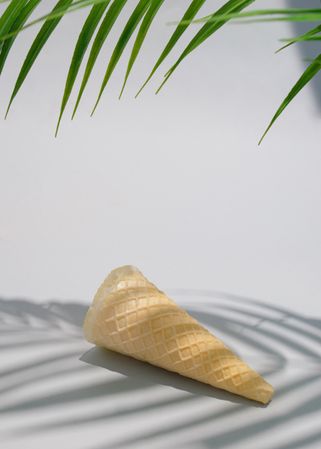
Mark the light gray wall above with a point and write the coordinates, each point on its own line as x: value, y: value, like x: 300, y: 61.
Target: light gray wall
x: 174, y: 184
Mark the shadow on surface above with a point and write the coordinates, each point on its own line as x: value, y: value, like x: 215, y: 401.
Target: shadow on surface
x: 232, y: 316
x: 302, y: 442
x: 228, y: 437
x: 36, y: 315
x: 136, y: 369
x: 224, y: 439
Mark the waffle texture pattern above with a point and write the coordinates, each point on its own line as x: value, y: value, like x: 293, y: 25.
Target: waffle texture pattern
x: 131, y: 316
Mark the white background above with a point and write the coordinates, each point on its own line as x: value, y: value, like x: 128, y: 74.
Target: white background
x: 174, y: 184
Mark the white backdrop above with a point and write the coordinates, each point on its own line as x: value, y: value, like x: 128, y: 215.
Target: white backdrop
x: 174, y: 184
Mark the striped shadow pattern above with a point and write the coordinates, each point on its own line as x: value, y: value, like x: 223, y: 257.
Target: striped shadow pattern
x: 56, y: 389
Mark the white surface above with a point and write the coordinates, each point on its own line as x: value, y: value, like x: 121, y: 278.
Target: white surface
x: 174, y: 184
x: 58, y: 391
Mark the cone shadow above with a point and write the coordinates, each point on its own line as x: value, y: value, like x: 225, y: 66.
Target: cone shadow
x: 151, y: 375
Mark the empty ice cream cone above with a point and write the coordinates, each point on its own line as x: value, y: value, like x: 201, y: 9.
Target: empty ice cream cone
x: 131, y: 316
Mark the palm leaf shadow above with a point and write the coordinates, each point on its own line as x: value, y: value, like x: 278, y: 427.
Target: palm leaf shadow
x: 310, y: 406
x: 217, y: 416
x: 230, y: 326
x: 305, y: 441
x: 229, y: 317
x: 50, y: 328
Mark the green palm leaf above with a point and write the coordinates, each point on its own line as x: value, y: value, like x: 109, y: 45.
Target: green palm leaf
x: 312, y: 38
x: 207, y: 30
x: 58, y: 12
x: 102, y: 34
x: 21, y: 16
x: 37, y: 45
x: 15, y: 16
x: 10, y: 14
x: 130, y: 27
x: 303, y: 37
x: 294, y: 14
x: 84, y: 38
x: 181, y: 27
x: 308, y: 74
x: 143, y: 30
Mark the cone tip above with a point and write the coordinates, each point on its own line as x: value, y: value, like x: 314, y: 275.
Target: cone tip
x: 268, y: 393
x: 263, y: 393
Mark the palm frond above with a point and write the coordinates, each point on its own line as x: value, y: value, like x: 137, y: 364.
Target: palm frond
x: 147, y: 21
x: 37, y: 45
x: 83, y: 41
x: 303, y: 37
x: 101, y: 36
x: 300, y: 15
x: 181, y: 27
x: 293, y: 14
x: 20, y: 19
x: 101, y: 20
x: 10, y: 15
x: 307, y: 76
x: 57, y: 12
x: 130, y: 27
x: 207, y: 30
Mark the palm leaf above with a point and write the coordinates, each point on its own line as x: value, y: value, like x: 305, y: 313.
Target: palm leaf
x: 312, y: 38
x: 303, y: 37
x: 10, y: 14
x: 37, y: 45
x: 290, y: 15
x: 146, y: 23
x: 130, y: 27
x: 84, y: 38
x: 207, y: 30
x: 181, y: 27
x: 20, y: 18
x: 58, y: 12
x: 102, y: 34
x: 15, y: 16
x: 293, y: 14
x: 9, y: 17
x: 308, y: 74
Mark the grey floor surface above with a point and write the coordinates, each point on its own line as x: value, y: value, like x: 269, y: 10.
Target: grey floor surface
x: 58, y: 390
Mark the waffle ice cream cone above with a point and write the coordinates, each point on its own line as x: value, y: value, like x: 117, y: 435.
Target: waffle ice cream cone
x: 131, y: 316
